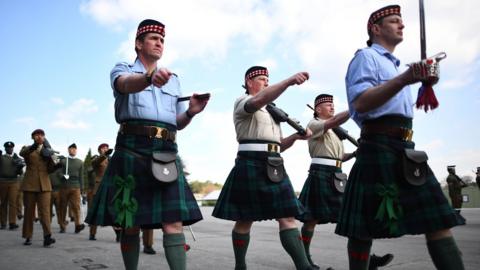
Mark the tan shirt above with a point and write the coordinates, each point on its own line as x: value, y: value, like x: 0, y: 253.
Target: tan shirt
x: 324, y: 144
x: 254, y: 126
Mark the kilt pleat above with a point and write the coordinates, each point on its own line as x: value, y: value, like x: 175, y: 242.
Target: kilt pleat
x: 155, y: 202
x: 319, y: 197
x: 249, y: 195
x: 378, y: 170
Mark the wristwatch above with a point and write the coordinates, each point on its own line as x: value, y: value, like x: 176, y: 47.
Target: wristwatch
x: 150, y: 75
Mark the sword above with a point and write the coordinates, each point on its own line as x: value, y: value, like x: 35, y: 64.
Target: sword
x: 423, y: 39
x: 191, y: 231
x: 66, y: 168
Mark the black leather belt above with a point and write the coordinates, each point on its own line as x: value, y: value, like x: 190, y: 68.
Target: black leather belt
x: 400, y: 133
x: 150, y: 131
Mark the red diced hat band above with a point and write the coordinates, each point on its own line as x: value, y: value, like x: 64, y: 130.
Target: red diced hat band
x: 381, y: 13
x: 322, y: 98
x: 150, y: 26
x: 256, y: 71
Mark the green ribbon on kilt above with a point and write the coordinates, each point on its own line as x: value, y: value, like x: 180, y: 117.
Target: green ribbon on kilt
x: 389, y: 210
x: 127, y: 206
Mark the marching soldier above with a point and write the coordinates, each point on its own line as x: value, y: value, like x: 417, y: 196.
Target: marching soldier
x: 99, y: 165
x: 11, y: 166
x: 36, y: 187
x: 477, y: 179
x: 258, y: 187
x: 388, y: 195
x: 56, y: 180
x: 323, y: 190
x: 71, y: 189
x: 144, y: 185
x: 455, y: 185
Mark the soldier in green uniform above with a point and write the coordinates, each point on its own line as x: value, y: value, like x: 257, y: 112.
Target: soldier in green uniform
x: 455, y: 185
x: 37, y: 188
x: 323, y: 190
x: 477, y: 179
x: 11, y: 166
x: 258, y: 187
x: 56, y: 180
x: 71, y: 189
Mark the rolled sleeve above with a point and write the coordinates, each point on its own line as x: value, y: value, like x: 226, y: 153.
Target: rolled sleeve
x: 317, y: 126
x: 239, y: 110
x: 361, y: 75
x: 119, y: 69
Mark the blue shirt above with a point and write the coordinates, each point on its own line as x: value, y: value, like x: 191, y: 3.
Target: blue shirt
x: 370, y: 67
x: 152, y: 103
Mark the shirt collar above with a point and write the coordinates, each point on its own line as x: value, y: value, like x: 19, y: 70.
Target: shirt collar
x: 382, y: 51
x: 138, y: 66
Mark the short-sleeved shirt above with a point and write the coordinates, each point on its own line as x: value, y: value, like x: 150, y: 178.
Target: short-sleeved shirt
x: 323, y: 144
x: 153, y: 103
x: 254, y: 126
x: 371, y: 67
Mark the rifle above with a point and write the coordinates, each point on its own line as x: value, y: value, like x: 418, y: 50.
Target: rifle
x: 341, y: 132
x: 280, y: 116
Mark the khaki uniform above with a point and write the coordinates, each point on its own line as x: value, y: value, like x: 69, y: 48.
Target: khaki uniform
x: 322, y: 144
x: 70, y: 191
x: 9, y: 186
x: 254, y: 126
x: 455, y: 190
x: 99, y: 165
x: 37, y: 190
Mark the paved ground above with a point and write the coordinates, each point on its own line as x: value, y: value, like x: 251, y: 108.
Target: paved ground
x: 213, y: 250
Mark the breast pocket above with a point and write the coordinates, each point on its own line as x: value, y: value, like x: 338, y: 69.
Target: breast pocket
x: 385, y: 75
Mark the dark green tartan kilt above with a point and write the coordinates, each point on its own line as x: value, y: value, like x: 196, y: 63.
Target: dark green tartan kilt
x: 376, y: 180
x: 319, y: 197
x: 148, y: 202
x: 249, y: 195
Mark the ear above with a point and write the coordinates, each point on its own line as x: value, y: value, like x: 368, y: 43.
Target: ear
x: 375, y: 29
x: 138, y: 44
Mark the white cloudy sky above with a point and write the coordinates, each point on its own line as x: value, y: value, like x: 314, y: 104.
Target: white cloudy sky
x: 57, y: 56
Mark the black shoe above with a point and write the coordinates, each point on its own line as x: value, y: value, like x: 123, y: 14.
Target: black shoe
x: 36, y: 219
x: 376, y: 261
x: 27, y: 242
x: 92, y: 237
x: 117, y: 236
x: 13, y: 226
x: 3, y: 227
x: 149, y: 250
x: 48, y: 240
x: 79, y: 228
x: 19, y: 216
x: 72, y: 219
x: 62, y: 230
x: 313, y: 265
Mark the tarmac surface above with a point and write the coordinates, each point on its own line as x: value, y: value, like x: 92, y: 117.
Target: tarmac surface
x: 213, y: 249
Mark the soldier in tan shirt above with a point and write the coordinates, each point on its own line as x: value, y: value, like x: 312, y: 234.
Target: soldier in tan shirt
x: 37, y: 188
x: 258, y: 187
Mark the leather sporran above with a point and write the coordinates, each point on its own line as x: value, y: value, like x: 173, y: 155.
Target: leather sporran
x: 164, y: 166
x: 339, y: 180
x: 275, y: 169
x: 415, y: 166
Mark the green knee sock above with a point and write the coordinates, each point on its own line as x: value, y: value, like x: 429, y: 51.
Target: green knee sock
x: 445, y: 254
x: 292, y: 243
x: 359, y: 253
x: 130, y: 246
x: 240, y: 245
x: 174, y: 245
x: 307, y: 239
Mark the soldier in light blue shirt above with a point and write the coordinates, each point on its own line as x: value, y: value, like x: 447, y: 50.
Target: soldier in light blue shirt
x: 384, y: 196
x: 144, y: 186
